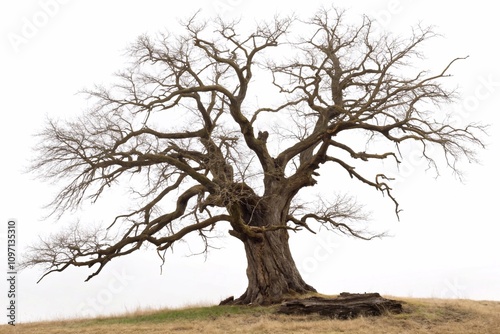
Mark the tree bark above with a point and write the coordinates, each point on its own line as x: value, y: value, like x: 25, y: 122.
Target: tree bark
x: 272, y: 273
x: 346, y: 306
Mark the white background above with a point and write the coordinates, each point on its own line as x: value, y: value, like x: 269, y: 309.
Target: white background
x: 445, y: 246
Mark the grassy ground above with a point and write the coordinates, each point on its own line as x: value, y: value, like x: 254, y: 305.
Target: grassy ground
x: 420, y: 316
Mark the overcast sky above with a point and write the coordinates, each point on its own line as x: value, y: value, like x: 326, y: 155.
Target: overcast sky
x: 446, y: 244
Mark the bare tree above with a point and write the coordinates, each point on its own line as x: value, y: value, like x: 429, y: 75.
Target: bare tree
x: 182, y: 125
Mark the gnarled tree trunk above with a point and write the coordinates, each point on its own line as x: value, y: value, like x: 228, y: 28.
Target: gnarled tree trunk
x: 272, y: 273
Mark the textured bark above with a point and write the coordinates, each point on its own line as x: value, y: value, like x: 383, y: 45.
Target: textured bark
x: 346, y: 306
x: 272, y: 273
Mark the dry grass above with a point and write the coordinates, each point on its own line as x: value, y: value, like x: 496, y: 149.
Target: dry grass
x: 420, y: 316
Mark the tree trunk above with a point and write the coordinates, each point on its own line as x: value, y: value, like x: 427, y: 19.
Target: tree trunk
x: 272, y: 273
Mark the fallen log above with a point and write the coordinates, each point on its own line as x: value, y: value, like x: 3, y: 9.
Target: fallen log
x: 346, y: 306
x: 227, y: 301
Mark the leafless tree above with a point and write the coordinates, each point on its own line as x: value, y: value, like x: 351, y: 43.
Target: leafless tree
x: 183, y: 125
